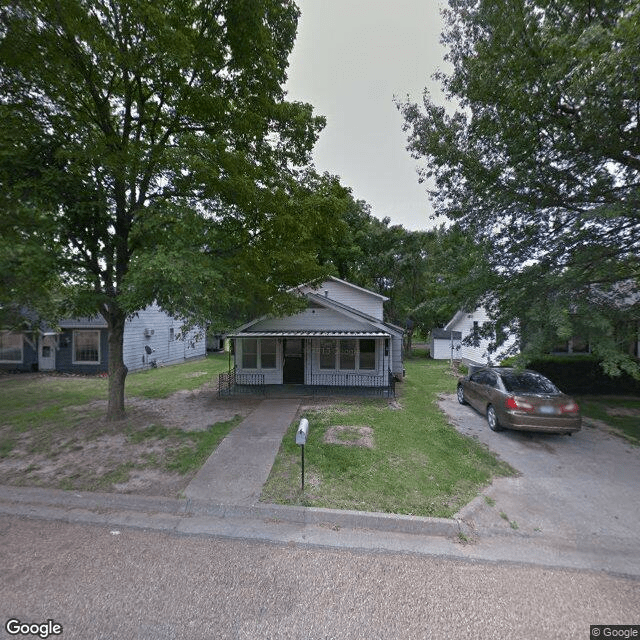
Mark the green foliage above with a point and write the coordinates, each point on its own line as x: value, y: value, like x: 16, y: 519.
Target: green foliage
x: 540, y: 163
x: 427, y: 275
x: 147, y: 153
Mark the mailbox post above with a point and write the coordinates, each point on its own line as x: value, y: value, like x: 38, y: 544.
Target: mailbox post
x: 301, y: 439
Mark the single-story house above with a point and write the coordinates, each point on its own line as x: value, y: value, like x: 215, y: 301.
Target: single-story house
x: 152, y: 337
x: 474, y: 348
x: 339, y: 340
x: 445, y: 345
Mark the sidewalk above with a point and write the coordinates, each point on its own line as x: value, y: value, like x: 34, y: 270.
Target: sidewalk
x: 237, y: 469
x: 222, y: 501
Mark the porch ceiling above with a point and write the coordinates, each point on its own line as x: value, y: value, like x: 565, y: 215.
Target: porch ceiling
x: 311, y: 334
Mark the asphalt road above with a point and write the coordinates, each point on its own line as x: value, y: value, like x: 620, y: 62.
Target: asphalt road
x: 99, y: 583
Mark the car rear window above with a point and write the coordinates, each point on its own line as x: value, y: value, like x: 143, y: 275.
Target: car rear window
x: 526, y: 382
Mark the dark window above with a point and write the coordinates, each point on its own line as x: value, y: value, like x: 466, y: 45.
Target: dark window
x: 327, y: 354
x: 527, y: 382
x: 367, y: 354
x: 250, y: 353
x: 347, y: 354
x: 476, y: 334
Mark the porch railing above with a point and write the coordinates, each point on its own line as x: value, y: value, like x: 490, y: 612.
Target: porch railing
x: 232, y: 382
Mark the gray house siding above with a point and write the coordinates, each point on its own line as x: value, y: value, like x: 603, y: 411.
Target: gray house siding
x: 367, y: 302
x: 163, y: 334
x: 82, y: 346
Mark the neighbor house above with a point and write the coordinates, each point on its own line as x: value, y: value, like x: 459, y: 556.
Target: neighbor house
x: 152, y: 337
x: 473, y: 348
x: 339, y: 340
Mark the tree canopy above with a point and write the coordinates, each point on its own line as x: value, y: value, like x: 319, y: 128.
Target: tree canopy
x: 539, y: 156
x: 147, y: 152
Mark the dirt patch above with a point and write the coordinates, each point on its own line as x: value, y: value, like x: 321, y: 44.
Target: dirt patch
x: 350, y: 436
x: 89, y: 453
x: 623, y: 412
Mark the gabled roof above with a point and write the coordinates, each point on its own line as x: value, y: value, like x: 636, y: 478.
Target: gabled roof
x: 353, y: 321
x: 301, y: 288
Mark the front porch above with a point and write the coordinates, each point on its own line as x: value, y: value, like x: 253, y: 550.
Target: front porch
x: 233, y: 383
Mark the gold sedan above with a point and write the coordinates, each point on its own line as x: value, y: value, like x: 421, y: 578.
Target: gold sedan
x: 519, y: 399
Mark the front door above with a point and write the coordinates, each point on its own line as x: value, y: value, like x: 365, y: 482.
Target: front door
x: 293, y: 366
x: 47, y: 353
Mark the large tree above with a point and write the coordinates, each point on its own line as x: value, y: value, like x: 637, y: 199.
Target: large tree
x: 538, y: 154
x: 147, y: 152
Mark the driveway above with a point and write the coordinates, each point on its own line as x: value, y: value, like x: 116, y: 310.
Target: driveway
x: 581, y: 490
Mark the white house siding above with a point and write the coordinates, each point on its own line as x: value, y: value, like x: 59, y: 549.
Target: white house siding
x: 350, y: 295
x: 152, y: 327
x: 477, y: 355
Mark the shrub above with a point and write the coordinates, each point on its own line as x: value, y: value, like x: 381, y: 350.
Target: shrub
x: 583, y: 375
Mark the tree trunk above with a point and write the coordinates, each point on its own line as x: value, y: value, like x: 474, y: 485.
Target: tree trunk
x: 117, y: 369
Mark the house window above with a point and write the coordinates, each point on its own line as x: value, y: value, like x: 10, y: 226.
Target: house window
x: 10, y: 346
x: 347, y: 354
x: 476, y: 334
x: 327, y: 354
x: 250, y: 353
x: 86, y: 347
x: 259, y: 353
x: 367, y: 354
x: 268, y: 353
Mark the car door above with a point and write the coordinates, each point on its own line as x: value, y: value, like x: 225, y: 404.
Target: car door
x: 473, y: 388
x: 487, y: 390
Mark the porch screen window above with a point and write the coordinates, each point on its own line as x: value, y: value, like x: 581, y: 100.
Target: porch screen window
x: 268, y: 353
x: 10, y: 347
x: 327, y: 354
x: 347, y: 354
x: 250, y: 353
x: 86, y: 346
x: 367, y: 354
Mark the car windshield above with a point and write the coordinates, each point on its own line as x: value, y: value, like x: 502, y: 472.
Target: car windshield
x: 527, y: 382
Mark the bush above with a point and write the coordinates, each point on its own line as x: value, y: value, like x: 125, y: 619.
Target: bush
x: 583, y: 375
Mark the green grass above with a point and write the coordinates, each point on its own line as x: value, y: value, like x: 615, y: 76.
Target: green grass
x: 40, y: 405
x: 622, y: 414
x: 419, y: 464
x: 52, y: 415
x: 164, y: 381
x: 186, y: 451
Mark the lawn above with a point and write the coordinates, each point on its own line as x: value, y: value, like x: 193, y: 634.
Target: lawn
x: 378, y: 456
x: 54, y: 433
x: 621, y: 414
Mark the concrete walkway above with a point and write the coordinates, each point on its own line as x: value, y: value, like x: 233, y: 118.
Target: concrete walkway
x: 237, y: 469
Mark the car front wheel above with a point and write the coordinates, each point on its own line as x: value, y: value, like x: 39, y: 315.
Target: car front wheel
x: 492, y: 419
x: 461, y: 399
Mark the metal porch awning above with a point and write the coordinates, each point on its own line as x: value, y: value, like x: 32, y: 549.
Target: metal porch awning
x: 310, y: 334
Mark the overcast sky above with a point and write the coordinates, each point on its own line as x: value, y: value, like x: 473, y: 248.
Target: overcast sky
x: 350, y: 59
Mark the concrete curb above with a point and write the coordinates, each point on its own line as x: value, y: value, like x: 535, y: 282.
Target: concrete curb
x: 329, y: 518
